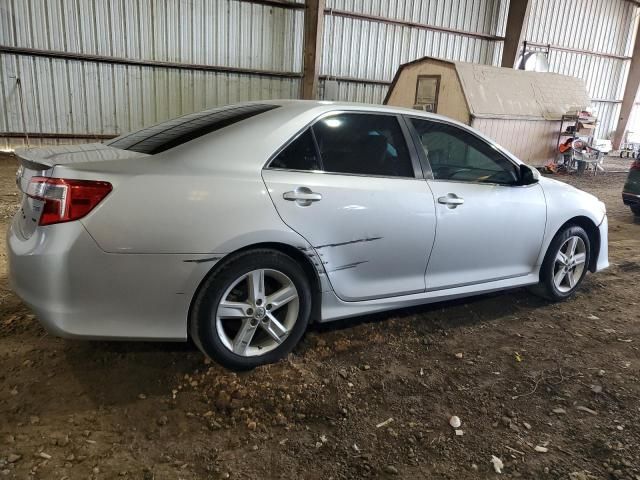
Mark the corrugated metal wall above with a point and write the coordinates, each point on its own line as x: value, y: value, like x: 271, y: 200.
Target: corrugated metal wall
x: 371, y: 50
x: 97, y: 98
x: 360, y: 55
x: 602, y: 26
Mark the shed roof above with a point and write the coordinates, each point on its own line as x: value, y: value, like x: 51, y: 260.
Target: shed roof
x: 497, y: 92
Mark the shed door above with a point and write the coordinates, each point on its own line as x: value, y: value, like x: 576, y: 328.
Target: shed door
x: 427, y: 90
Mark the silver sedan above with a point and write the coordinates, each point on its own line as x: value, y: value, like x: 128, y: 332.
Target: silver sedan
x: 238, y: 226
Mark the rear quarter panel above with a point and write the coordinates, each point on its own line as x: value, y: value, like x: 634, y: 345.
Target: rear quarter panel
x: 157, y: 213
x: 205, y: 196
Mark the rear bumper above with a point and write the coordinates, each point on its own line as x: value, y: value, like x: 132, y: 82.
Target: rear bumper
x: 631, y: 199
x: 79, y: 291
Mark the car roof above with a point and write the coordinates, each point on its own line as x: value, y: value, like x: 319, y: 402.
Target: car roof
x: 298, y: 108
x: 330, y: 105
x: 268, y: 132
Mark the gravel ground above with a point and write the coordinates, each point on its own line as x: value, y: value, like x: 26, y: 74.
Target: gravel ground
x: 552, y: 390
x: 613, y: 163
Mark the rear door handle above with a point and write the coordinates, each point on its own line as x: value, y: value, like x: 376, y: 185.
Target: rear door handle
x: 451, y: 200
x: 302, y: 196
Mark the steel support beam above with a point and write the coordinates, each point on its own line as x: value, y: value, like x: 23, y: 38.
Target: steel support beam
x: 630, y: 93
x: 404, y: 23
x: 313, y: 25
x: 516, y: 18
x: 277, y: 3
x: 578, y: 50
x: 367, y: 81
x: 79, y: 136
x: 143, y: 63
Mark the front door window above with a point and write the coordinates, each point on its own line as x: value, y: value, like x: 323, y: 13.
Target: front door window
x: 456, y: 155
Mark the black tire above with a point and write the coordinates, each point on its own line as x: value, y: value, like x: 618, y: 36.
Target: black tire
x: 635, y: 211
x: 203, y: 313
x: 547, y: 287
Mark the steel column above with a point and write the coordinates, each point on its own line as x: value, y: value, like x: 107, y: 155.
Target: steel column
x: 313, y: 25
x: 630, y: 93
x: 516, y: 18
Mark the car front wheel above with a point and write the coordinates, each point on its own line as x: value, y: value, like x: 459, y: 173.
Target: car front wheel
x: 565, y: 264
x: 253, y: 310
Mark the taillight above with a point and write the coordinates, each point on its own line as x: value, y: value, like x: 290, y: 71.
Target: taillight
x: 635, y: 165
x: 66, y: 200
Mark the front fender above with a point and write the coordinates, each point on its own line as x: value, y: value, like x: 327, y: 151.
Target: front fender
x: 566, y: 203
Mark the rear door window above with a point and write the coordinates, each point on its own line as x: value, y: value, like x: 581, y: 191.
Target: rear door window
x: 170, y: 134
x: 301, y: 154
x: 363, y: 144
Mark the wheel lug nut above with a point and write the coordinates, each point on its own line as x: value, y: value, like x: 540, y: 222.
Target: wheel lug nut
x: 249, y: 311
x: 259, y: 302
x: 269, y: 306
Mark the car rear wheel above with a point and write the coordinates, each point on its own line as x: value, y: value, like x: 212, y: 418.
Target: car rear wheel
x: 565, y: 264
x: 253, y: 310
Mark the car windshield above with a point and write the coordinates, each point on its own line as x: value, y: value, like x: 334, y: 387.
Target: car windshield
x: 170, y: 134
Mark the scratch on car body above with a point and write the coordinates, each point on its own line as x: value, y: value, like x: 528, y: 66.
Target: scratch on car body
x: 360, y: 240
x: 203, y: 260
x: 349, y: 265
x: 314, y: 257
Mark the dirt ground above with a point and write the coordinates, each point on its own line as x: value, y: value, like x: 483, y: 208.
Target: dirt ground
x: 552, y: 390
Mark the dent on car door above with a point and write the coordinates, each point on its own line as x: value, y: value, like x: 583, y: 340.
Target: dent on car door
x: 348, y: 185
x: 489, y: 226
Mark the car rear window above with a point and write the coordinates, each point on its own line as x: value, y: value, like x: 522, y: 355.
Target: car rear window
x: 170, y: 134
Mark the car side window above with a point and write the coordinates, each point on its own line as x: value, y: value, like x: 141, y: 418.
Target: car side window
x: 457, y: 155
x: 363, y: 144
x: 301, y: 154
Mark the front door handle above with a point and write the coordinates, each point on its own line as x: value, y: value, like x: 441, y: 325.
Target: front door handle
x: 303, y: 196
x: 451, y: 200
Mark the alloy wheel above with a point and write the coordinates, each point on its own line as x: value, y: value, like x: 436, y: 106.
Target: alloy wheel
x: 257, y: 312
x: 569, y: 264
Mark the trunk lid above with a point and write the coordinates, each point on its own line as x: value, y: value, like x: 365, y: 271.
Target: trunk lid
x: 40, y: 162
x: 44, y: 158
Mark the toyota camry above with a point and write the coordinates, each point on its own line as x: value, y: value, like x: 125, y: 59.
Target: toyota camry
x: 239, y: 226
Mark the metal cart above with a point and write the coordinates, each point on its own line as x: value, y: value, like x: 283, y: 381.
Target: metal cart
x: 630, y: 148
x: 581, y: 156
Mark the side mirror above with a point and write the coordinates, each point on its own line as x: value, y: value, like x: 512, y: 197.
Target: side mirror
x: 528, y: 175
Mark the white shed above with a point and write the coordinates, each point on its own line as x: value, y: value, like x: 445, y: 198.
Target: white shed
x: 520, y: 110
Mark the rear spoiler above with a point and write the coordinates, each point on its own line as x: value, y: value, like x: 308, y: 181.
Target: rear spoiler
x: 37, y: 161
x: 32, y: 163
x: 27, y: 163
x: 41, y: 161
x: 47, y: 157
